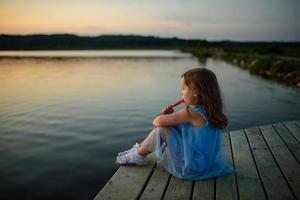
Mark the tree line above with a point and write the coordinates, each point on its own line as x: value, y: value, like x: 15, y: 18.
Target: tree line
x: 75, y: 42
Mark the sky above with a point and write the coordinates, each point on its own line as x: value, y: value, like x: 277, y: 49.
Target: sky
x: 244, y: 20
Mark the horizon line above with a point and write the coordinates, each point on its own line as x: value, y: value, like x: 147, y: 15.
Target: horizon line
x: 146, y: 35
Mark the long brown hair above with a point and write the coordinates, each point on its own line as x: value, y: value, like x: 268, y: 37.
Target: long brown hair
x: 204, y: 83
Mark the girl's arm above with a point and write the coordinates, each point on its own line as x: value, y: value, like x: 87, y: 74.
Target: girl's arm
x: 180, y: 117
x: 173, y: 119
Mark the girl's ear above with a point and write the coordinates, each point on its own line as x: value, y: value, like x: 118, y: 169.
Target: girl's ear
x: 194, y: 93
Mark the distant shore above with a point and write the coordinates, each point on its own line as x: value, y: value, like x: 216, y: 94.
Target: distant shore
x: 279, y: 61
x: 284, y: 69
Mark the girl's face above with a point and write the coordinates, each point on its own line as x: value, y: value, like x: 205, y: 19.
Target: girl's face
x: 187, y: 94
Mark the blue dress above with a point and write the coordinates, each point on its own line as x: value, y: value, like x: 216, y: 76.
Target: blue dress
x: 193, y: 153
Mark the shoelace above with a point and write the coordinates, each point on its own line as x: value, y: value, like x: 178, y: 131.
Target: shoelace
x: 125, y: 152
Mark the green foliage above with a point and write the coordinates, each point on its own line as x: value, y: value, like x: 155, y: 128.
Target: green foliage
x: 281, y: 69
x: 260, y: 65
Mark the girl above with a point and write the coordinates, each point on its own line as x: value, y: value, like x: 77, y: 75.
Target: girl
x: 187, y: 143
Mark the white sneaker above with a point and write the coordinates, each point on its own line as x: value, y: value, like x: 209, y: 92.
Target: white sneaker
x: 127, y: 151
x: 131, y: 157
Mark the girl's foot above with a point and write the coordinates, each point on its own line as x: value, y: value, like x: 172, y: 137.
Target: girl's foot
x: 131, y: 157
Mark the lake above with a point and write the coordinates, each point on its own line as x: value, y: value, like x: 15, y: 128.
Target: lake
x: 64, y: 115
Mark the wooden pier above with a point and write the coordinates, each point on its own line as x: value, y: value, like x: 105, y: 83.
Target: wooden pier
x: 266, y: 159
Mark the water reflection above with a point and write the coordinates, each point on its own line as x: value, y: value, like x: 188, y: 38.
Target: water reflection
x: 63, y: 120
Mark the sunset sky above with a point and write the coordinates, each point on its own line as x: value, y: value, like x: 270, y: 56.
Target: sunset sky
x: 259, y: 20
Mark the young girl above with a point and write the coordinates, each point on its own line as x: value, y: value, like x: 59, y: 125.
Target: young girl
x: 187, y: 143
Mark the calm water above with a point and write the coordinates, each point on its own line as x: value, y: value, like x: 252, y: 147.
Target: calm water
x: 64, y: 115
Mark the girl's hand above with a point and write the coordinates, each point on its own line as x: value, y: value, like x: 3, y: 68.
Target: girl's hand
x: 168, y: 110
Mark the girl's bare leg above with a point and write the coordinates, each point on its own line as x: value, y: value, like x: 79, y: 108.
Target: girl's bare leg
x: 148, y: 145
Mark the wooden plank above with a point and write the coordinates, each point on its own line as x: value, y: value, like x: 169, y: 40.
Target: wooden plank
x: 178, y: 189
x: 127, y: 183
x: 292, y: 144
x: 267, y: 165
x: 295, y: 130
x: 273, y: 181
x: 204, y: 189
x: 226, y: 187
x: 156, y: 185
x: 287, y: 163
x: 249, y: 186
